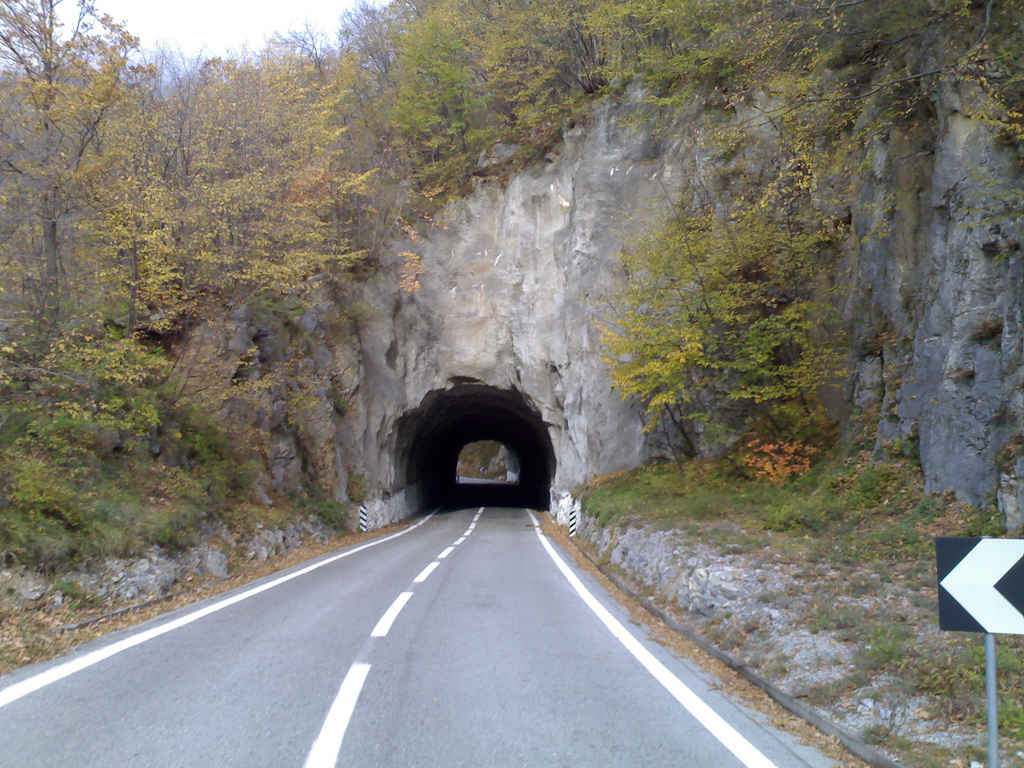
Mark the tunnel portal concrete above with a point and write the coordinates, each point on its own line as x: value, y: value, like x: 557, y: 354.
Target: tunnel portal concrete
x: 429, y: 439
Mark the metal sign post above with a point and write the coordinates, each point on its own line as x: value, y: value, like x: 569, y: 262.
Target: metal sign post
x: 992, y: 700
x: 981, y: 589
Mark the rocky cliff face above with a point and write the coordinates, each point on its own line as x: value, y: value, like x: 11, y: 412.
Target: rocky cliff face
x: 509, y: 284
x: 934, y: 302
x: 512, y: 280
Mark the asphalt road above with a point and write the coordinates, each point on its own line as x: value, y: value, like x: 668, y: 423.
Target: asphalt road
x: 466, y: 640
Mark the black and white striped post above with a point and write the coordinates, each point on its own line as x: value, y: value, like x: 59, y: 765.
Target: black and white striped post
x: 363, y: 520
x: 573, y: 519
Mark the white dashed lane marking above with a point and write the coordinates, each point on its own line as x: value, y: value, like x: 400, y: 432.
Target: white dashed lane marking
x: 327, y: 746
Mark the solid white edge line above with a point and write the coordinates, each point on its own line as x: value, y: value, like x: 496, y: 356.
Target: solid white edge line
x: 36, y: 682
x: 447, y: 552
x: 426, y: 572
x: 381, y: 630
x: 327, y: 746
x: 730, y: 738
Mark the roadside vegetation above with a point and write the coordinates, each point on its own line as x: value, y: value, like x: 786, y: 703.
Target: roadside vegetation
x: 857, y: 523
x: 145, y: 196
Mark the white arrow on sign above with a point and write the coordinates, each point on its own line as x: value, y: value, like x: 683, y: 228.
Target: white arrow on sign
x: 972, y: 584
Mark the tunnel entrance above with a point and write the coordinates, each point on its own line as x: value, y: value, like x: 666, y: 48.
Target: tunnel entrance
x: 430, y: 439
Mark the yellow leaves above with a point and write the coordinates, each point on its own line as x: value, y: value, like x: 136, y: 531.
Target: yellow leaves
x: 412, y: 269
x: 227, y: 183
x: 718, y: 316
x: 57, y: 94
x: 777, y: 462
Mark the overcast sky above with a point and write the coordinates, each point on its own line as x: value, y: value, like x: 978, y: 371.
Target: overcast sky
x: 216, y: 26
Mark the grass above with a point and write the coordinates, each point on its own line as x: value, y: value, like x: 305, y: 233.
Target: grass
x: 71, y: 495
x: 667, y: 495
x: 829, y: 616
x: 853, y: 510
x: 867, y: 519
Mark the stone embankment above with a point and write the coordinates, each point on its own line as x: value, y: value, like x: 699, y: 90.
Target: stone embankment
x: 157, y: 573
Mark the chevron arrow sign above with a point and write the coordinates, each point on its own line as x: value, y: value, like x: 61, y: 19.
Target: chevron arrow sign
x: 981, y: 585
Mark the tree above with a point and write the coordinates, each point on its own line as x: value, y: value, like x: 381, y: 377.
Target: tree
x: 719, y: 321
x: 227, y: 186
x: 369, y: 44
x: 58, y: 90
x: 440, y: 104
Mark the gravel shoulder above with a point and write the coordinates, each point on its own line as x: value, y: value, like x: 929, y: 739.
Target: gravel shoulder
x: 848, y: 644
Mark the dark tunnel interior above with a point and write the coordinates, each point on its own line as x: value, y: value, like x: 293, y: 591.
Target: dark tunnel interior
x: 430, y: 438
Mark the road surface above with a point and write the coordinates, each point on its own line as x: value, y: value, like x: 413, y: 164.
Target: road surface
x: 463, y: 640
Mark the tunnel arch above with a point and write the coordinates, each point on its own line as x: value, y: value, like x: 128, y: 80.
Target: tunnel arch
x: 429, y: 438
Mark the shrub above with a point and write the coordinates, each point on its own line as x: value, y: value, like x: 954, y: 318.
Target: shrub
x: 333, y: 514
x: 38, y: 490
x: 778, y: 462
x: 808, y: 514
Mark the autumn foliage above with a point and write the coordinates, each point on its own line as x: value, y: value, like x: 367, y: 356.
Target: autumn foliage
x: 777, y: 462
x: 143, y: 194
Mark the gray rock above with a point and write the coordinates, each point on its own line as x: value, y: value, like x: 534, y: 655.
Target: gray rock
x: 213, y: 564
x: 763, y: 605
x: 258, y: 552
x: 31, y: 591
x: 930, y: 289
